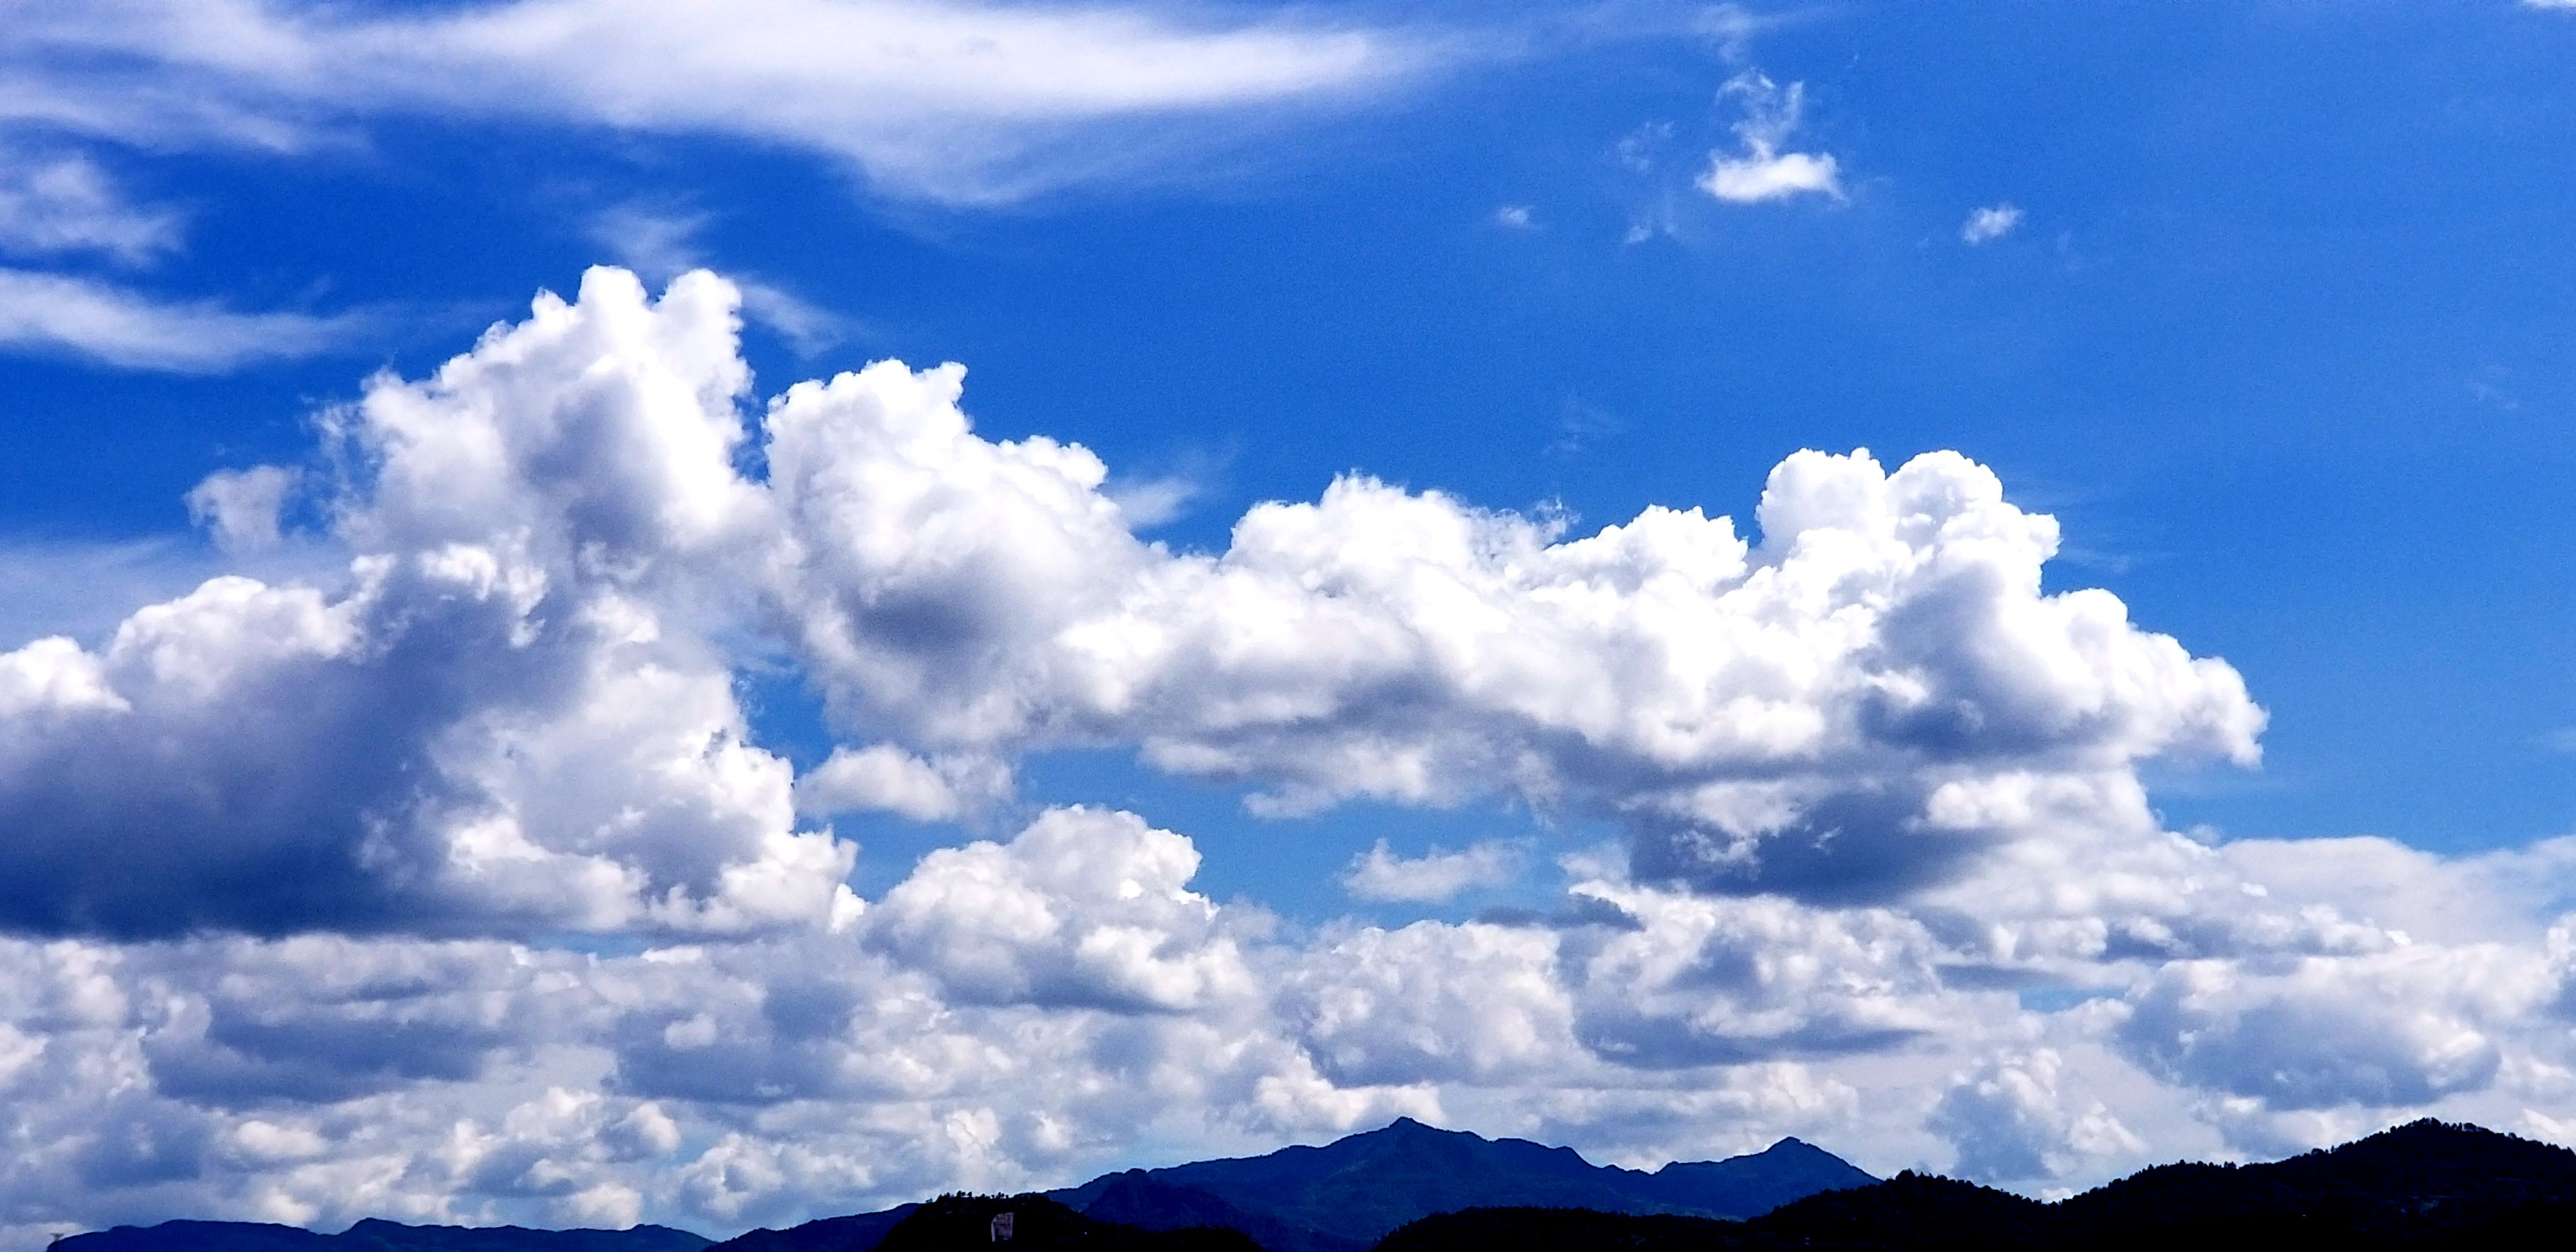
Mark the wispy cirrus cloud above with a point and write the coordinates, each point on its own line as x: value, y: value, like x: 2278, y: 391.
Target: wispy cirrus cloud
x: 64, y: 203
x: 935, y: 99
x: 662, y: 243
x: 115, y: 325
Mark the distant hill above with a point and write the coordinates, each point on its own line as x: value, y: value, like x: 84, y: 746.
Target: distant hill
x: 2427, y: 1185
x: 2424, y: 1181
x: 831, y: 1234
x: 376, y: 1236
x: 1346, y: 1195
x: 1409, y: 1188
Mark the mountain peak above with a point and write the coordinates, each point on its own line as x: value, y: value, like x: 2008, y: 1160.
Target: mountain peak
x: 1408, y: 1126
x: 1345, y: 1195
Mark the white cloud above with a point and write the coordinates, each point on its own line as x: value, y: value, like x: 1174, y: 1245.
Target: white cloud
x: 1013, y: 1013
x: 1083, y: 907
x: 2395, y: 1028
x: 887, y: 778
x: 1875, y: 787
x: 1882, y: 667
x: 1762, y: 174
x: 1989, y: 224
x: 1439, y: 874
x: 58, y: 204
x: 498, y: 718
x: 1472, y: 1005
x: 2015, y: 1120
x: 81, y: 317
x: 1515, y: 216
x: 1760, y: 171
x: 241, y: 507
x: 930, y: 98
x: 1725, y: 703
x: 1150, y: 502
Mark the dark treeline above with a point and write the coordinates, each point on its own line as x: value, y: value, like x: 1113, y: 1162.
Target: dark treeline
x: 2425, y: 1185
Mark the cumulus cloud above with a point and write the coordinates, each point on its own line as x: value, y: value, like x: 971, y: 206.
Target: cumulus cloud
x: 550, y: 536
x: 499, y: 635
x: 1760, y: 171
x: 887, y: 778
x: 2394, y: 1028
x: 81, y: 317
x: 1014, y: 1012
x: 1989, y: 224
x: 2014, y: 1120
x: 1780, y: 717
x: 944, y: 100
x: 504, y: 913
x: 1379, y: 874
x: 1084, y: 906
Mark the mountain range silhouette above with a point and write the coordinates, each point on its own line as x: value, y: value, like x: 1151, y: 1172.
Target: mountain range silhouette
x: 1411, y: 1188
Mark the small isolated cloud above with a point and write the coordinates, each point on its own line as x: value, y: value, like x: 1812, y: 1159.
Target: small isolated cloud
x: 1515, y: 216
x: 116, y: 326
x: 241, y: 507
x: 1437, y: 875
x: 2549, y: 4
x: 1761, y: 171
x: 1988, y: 224
x: 1764, y: 175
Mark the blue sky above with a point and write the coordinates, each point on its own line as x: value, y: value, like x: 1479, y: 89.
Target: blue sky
x: 2267, y: 305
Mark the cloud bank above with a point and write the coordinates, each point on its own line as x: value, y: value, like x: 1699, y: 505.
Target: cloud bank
x: 505, y: 913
